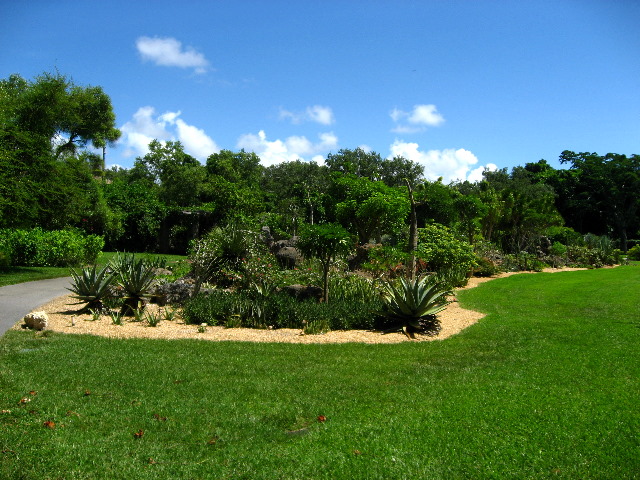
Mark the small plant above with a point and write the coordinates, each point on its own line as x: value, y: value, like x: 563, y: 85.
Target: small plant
x: 153, y: 319
x: 138, y: 315
x: 169, y: 314
x: 316, y: 327
x: 95, y: 315
x: 116, y: 318
x: 202, y: 328
x: 234, y: 321
x: 91, y: 286
x: 411, y: 306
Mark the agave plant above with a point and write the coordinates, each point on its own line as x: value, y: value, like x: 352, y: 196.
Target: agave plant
x: 91, y: 286
x: 411, y: 306
x: 136, y: 278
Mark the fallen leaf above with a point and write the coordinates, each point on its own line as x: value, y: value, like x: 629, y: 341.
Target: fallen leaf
x: 322, y: 418
x: 212, y: 441
x: 33, y: 392
x: 70, y: 413
x: 151, y: 461
x: 87, y: 393
x: 159, y: 418
x: 24, y: 400
x: 49, y: 424
x: 138, y: 434
x: 357, y: 452
x: 5, y: 411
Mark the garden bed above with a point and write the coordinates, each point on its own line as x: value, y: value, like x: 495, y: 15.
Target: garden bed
x: 63, y: 319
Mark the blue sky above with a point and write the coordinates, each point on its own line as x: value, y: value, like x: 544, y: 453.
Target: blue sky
x: 455, y: 85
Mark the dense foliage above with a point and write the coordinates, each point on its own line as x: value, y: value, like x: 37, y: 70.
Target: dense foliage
x: 51, y: 178
x: 53, y: 248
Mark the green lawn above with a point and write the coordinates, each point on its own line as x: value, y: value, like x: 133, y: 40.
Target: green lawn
x: 546, y: 386
x: 13, y: 275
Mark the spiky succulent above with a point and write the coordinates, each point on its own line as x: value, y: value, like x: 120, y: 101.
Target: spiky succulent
x: 136, y: 278
x: 91, y: 286
x: 411, y: 306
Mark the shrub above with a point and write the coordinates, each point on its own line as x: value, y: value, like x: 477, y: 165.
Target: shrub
x: 485, y: 267
x: 384, y: 260
x: 522, y: 261
x: 441, y: 250
x: 634, y: 252
x: 279, y: 310
x: 55, y: 248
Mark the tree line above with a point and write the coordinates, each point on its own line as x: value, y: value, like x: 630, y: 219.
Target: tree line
x: 50, y: 178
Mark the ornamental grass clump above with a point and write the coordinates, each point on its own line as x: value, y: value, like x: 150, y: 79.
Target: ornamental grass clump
x: 411, y: 306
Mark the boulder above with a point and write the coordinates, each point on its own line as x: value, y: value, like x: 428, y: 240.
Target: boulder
x: 303, y: 292
x: 288, y: 257
x: 36, y: 320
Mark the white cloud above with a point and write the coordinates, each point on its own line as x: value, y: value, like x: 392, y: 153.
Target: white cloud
x: 146, y: 126
x: 426, y: 115
x: 195, y: 141
x: 316, y: 113
x: 168, y: 52
x: 450, y: 164
x: 417, y: 120
x: 292, y: 148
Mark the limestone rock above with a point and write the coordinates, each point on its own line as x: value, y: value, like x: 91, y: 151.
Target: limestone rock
x: 303, y: 292
x: 36, y: 320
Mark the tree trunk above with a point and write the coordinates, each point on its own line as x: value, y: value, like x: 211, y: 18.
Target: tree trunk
x: 413, y: 234
x: 325, y: 282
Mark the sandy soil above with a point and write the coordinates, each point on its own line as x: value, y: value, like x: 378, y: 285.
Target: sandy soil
x: 62, y: 318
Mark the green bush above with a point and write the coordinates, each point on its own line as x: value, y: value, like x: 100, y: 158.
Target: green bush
x: 485, y: 267
x: 523, y: 261
x: 634, y: 253
x: 54, y: 248
x: 279, y: 310
x: 441, y: 250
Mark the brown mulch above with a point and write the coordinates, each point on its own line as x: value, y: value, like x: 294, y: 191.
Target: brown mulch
x: 62, y: 318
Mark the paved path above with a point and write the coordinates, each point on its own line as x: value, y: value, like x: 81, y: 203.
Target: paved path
x: 18, y: 300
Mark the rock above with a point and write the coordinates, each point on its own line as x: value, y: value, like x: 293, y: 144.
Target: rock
x: 172, y: 293
x: 303, y: 292
x: 36, y: 320
x: 162, y: 271
x: 288, y: 257
x: 266, y: 237
x: 176, y: 292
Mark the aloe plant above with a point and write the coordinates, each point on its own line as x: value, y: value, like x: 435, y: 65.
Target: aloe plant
x: 411, y: 306
x: 136, y: 278
x: 91, y: 286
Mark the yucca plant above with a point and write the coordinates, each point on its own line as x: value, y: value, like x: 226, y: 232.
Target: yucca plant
x: 411, y: 306
x: 136, y: 278
x: 91, y: 286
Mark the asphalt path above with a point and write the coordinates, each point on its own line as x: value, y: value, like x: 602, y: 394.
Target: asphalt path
x: 18, y: 300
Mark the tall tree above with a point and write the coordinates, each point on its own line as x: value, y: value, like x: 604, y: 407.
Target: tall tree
x: 369, y: 208
x: 42, y: 124
x: 602, y: 191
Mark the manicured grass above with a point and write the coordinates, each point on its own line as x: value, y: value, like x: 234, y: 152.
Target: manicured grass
x: 546, y: 386
x: 13, y: 275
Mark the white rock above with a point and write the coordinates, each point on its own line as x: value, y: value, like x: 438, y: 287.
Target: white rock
x: 36, y: 320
